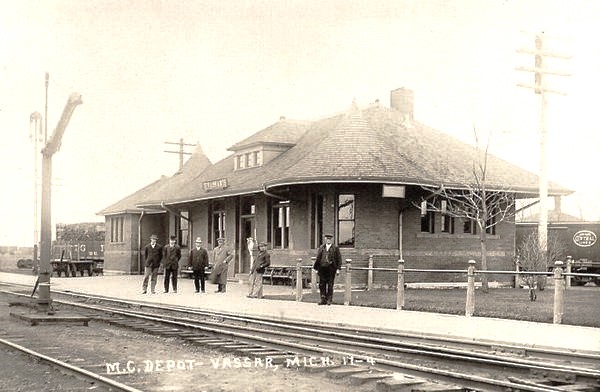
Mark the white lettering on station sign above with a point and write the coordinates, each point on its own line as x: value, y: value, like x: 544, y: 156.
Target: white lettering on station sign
x: 220, y: 183
x: 394, y: 191
x: 584, y: 238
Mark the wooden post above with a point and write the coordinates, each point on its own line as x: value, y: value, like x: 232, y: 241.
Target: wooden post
x: 559, y: 292
x: 313, y: 277
x: 470, y: 305
x: 348, y: 292
x: 568, y: 278
x: 299, y: 280
x: 370, y: 274
x: 400, y: 293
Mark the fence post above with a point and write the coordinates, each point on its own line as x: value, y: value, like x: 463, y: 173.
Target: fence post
x: 568, y: 278
x: 370, y: 274
x: 299, y: 280
x: 470, y: 305
x: 400, y: 293
x: 348, y: 292
x: 313, y: 276
x: 559, y: 292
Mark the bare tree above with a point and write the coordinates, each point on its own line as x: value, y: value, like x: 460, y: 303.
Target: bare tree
x: 532, y: 257
x: 474, y: 200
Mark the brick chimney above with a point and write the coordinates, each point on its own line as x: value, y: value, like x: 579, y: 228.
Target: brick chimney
x: 402, y: 99
x: 557, y: 206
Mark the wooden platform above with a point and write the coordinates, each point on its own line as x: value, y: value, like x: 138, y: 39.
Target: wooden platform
x: 36, y: 319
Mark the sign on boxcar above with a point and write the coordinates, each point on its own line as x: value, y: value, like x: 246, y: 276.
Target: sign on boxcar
x: 584, y: 238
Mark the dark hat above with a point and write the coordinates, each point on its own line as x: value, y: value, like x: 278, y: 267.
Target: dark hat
x: 262, y: 244
x: 328, y: 236
x: 153, y: 237
x: 173, y: 237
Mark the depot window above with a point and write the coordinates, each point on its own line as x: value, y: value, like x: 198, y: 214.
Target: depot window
x: 182, y: 227
x: 447, y: 223
x: 345, y: 218
x: 281, y: 225
x: 427, y: 219
x: 116, y: 229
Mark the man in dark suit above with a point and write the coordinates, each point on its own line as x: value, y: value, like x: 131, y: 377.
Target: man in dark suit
x: 327, y: 264
x: 152, y: 259
x: 197, y: 261
x: 171, y: 256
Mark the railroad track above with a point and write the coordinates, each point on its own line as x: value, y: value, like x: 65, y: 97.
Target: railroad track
x: 93, y: 378
x: 391, y: 360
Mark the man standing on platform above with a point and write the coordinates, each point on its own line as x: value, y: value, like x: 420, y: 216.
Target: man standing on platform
x: 263, y: 260
x: 221, y: 256
x: 198, y: 260
x: 171, y: 256
x: 327, y: 264
x: 152, y: 259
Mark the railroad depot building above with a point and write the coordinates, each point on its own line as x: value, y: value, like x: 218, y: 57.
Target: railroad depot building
x: 358, y: 175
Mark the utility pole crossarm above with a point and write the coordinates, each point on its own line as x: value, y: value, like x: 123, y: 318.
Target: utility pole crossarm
x: 540, y: 88
x: 545, y: 54
x: 180, y: 144
x: 181, y: 153
x: 542, y: 71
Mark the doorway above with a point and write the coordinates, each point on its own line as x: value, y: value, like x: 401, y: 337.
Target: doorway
x: 247, y: 232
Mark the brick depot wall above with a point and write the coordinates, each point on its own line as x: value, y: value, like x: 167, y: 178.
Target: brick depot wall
x: 122, y: 257
x: 376, y: 232
x: 199, y: 218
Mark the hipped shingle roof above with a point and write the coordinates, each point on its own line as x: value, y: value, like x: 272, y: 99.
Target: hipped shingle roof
x: 375, y: 144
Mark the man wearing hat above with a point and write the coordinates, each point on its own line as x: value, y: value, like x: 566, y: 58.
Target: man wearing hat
x: 327, y: 264
x: 197, y: 261
x: 171, y: 256
x: 221, y: 256
x: 152, y: 259
x: 263, y: 260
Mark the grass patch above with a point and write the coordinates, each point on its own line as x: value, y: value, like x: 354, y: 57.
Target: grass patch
x: 580, y: 308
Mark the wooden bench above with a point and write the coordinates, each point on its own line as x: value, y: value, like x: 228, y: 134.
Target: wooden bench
x: 185, y: 272
x: 285, y: 275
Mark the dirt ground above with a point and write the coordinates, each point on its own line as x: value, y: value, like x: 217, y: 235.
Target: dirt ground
x: 100, y: 346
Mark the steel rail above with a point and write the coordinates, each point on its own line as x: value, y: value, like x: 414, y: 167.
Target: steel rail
x: 311, y: 327
x: 448, y: 374
x: 74, y: 369
x: 330, y: 350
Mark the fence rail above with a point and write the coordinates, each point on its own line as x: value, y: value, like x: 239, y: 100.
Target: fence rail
x: 561, y: 281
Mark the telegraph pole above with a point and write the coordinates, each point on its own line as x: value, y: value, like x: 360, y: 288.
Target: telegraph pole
x: 181, y: 153
x: 540, y: 88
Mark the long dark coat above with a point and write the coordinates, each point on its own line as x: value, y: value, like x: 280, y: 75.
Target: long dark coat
x: 153, y: 256
x: 333, y: 256
x: 221, y: 256
x: 198, y: 259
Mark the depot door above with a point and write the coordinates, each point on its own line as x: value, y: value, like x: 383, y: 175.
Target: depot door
x: 247, y: 231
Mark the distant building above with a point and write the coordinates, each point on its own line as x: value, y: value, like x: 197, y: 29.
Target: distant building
x: 357, y: 175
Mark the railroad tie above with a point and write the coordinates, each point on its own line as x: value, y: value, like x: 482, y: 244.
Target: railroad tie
x: 371, y: 375
x: 398, y: 382
x: 344, y: 371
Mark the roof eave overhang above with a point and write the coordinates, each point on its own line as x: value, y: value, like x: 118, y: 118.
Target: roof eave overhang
x: 145, y: 210
x: 519, y: 192
x: 522, y: 192
x: 236, y: 148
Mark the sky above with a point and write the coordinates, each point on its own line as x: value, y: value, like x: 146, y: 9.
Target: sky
x: 214, y: 72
